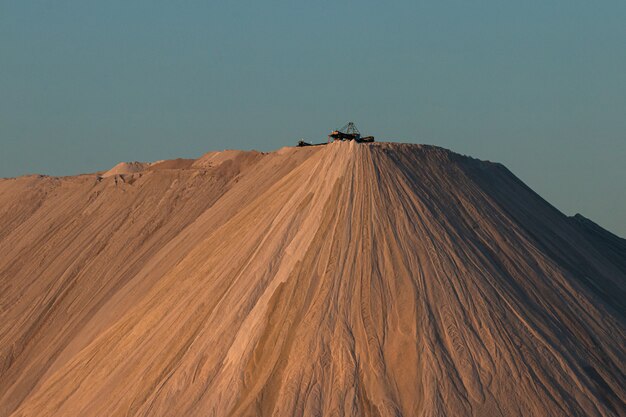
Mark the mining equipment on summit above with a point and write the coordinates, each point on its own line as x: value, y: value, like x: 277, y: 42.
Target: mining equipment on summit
x: 347, y: 132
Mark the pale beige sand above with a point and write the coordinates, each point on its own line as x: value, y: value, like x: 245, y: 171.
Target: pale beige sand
x: 343, y: 280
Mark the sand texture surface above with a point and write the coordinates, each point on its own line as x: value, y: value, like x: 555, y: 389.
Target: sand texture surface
x: 340, y: 280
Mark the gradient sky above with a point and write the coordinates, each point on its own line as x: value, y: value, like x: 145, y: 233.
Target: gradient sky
x: 537, y: 85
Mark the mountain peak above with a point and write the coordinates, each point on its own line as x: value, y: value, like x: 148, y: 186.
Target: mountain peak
x: 345, y: 279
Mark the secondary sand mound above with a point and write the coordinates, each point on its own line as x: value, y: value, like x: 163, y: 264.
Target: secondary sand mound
x: 341, y: 280
x: 178, y: 163
x: 126, y: 168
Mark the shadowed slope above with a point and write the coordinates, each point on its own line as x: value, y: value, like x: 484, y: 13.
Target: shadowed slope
x: 349, y: 279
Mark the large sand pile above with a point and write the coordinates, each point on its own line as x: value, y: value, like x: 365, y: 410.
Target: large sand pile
x: 343, y: 280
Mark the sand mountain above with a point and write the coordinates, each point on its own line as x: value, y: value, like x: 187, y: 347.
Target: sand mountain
x: 340, y: 280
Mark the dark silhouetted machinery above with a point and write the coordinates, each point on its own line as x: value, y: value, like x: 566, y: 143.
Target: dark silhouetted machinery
x: 347, y: 132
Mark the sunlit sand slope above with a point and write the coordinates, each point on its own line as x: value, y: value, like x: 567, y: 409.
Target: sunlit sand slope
x: 341, y: 280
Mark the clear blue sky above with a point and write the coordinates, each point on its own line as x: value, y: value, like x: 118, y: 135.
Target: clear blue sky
x: 537, y: 85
